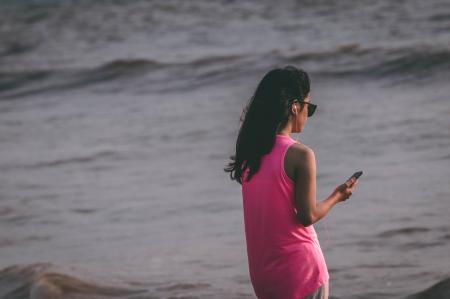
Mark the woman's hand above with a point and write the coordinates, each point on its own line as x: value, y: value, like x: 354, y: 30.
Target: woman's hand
x: 344, y: 191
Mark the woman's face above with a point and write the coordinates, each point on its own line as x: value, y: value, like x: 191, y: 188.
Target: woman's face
x: 302, y: 115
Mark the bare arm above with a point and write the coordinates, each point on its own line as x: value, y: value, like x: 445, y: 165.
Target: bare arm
x: 308, y: 210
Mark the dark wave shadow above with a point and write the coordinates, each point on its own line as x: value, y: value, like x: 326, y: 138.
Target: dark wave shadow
x: 37, y: 281
x: 440, y: 290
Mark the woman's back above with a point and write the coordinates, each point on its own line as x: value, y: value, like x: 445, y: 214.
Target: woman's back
x: 284, y: 257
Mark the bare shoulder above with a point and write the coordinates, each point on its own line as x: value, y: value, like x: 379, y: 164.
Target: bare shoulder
x: 299, y: 153
x: 299, y: 157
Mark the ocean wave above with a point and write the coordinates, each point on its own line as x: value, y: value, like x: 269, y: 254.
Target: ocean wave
x: 352, y: 59
x: 124, y: 66
x: 105, y: 154
x: 403, y: 231
x: 9, y: 48
x: 415, y: 63
x: 39, y: 281
x: 408, y: 63
x: 44, y: 281
x: 439, y: 290
x: 31, y: 82
x: 13, y: 80
x: 75, y: 160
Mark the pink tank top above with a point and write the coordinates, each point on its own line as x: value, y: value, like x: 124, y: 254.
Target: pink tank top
x: 285, y: 258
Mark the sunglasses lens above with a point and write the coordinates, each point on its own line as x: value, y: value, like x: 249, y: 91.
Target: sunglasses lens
x: 311, y: 109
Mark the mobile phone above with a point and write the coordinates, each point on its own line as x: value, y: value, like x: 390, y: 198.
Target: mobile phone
x: 357, y: 174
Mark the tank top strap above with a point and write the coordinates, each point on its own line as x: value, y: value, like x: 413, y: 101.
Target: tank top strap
x: 283, y: 143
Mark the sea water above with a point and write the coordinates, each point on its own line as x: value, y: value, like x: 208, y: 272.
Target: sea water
x: 118, y: 117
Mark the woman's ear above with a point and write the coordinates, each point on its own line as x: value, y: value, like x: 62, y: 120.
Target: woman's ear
x: 294, y: 109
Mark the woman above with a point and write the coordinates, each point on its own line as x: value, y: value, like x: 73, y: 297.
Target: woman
x: 278, y: 178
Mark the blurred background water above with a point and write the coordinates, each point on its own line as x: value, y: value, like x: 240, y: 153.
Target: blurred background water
x: 117, y: 118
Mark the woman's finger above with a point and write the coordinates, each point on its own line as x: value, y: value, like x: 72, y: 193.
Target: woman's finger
x: 354, y: 182
x: 350, y: 182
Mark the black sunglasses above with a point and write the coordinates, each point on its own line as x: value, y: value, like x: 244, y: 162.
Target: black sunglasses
x: 311, y: 107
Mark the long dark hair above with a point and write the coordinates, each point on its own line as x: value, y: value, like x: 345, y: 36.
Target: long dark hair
x: 266, y: 113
